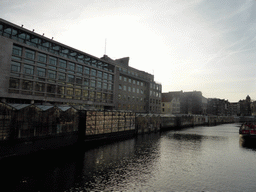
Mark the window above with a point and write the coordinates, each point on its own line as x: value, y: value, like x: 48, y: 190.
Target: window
x: 42, y: 57
x: 93, y: 72
x: 52, y: 74
x: 141, y: 91
x: 105, y: 76
x: 40, y: 72
x: 92, y: 94
x: 71, y: 78
x: 99, y: 74
x: 70, y: 91
x: 15, y: 66
x: 119, y: 96
x: 29, y: 54
x: 125, y: 79
x: 99, y: 84
x: 138, y: 91
x: 79, y: 80
x: 79, y: 68
x: 124, y: 87
x: 138, y: 83
x: 61, y: 90
x: 78, y: 92
x: 41, y: 64
x: 62, y: 76
x: 133, y: 90
x: 110, y: 77
x: 71, y: 66
x: 130, y: 80
x: 133, y: 81
x: 120, y: 77
x: 40, y: 87
x: 141, y: 83
x: 86, y: 82
x: 63, y: 63
x: 14, y: 83
x: 86, y: 70
x: 27, y: 85
x: 109, y: 86
x: 28, y: 69
x: 17, y: 50
x: 120, y: 87
x: 52, y: 60
x: 51, y: 88
x: 85, y: 93
x: 129, y: 89
x: 105, y: 85
x: 93, y: 83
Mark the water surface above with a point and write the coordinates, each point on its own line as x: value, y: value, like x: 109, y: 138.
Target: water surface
x: 193, y: 159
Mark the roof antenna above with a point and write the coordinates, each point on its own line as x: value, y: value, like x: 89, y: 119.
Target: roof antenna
x: 105, y: 46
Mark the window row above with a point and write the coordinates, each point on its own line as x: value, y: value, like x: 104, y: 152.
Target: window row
x: 131, y: 107
x: 155, y: 101
x: 42, y: 58
x: 49, y: 88
x: 42, y: 72
x: 131, y: 98
x: 131, y: 89
x: 155, y: 94
x: 155, y: 86
x: 86, y: 83
x: 133, y: 81
x: 52, y: 47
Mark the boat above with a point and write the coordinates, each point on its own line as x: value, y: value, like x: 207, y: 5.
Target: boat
x: 248, y: 130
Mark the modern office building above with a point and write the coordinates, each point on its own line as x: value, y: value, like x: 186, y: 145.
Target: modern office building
x: 134, y: 89
x: 36, y: 69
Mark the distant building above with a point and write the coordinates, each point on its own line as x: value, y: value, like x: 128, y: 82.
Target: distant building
x: 253, y: 108
x: 217, y: 107
x: 234, y: 109
x: 245, y: 106
x: 192, y: 103
x: 171, y: 102
x: 184, y: 102
x: 134, y: 89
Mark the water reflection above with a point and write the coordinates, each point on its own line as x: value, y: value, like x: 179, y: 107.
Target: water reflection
x: 115, y: 166
x: 196, y: 159
x: 47, y: 171
x: 247, y: 143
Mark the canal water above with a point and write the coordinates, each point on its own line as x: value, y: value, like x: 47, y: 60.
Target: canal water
x: 206, y: 158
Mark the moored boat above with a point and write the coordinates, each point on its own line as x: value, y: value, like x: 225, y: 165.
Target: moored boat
x: 248, y: 130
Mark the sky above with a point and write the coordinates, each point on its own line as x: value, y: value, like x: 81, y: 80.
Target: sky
x: 189, y: 45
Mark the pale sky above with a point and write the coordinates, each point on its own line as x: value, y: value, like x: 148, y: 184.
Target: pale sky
x: 202, y: 45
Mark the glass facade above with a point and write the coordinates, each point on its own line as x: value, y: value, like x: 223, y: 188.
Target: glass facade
x: 56, y: 71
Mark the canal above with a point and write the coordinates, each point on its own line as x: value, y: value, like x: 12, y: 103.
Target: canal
x: 203, y: 158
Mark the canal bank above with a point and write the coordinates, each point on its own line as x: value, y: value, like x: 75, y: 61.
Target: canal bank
x: 28, y: 128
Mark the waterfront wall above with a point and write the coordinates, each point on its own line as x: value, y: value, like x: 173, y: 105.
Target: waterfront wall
x: 26, y: 128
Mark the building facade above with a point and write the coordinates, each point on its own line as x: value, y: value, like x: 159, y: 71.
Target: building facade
x: 36, y: 69
x: 184, y: 102
x: 171, y: 102
x: 245, y: 106
x: 218, y: 107
x: 134, y: 89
